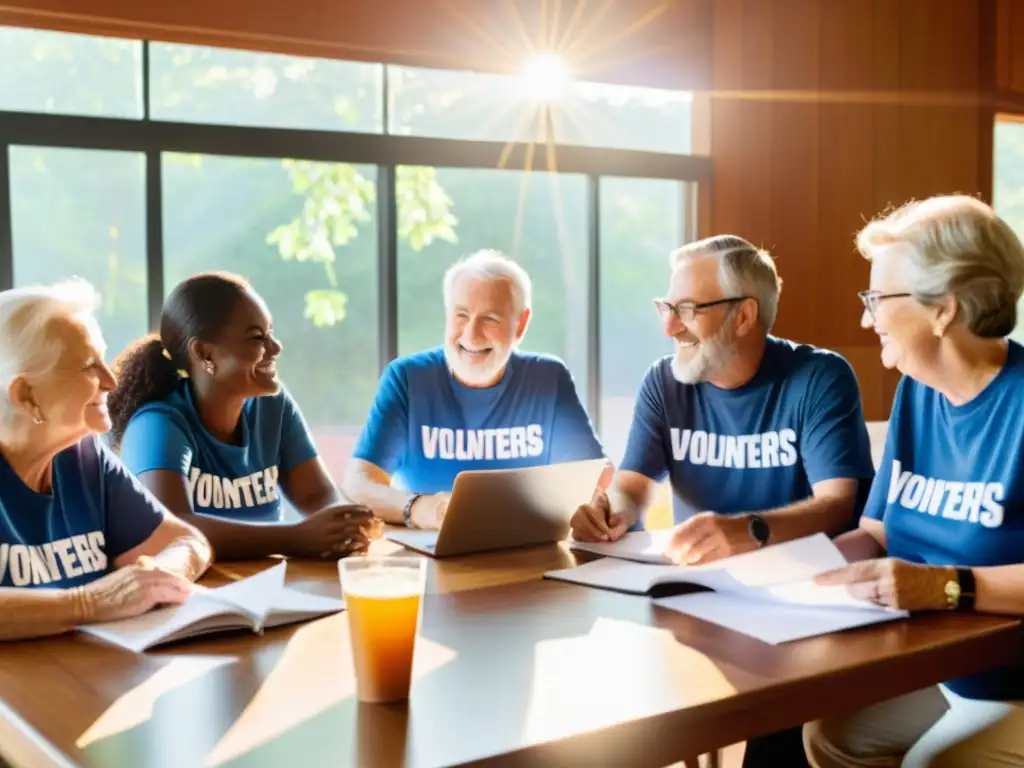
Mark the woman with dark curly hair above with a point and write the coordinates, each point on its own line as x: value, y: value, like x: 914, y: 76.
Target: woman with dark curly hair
x: 203, y: 421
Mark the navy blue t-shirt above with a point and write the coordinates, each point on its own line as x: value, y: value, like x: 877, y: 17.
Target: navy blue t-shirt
x: 950, y: 489
x: 425, y: 427
x: 95, y: 512
x: 797, y: 422
x: 232, y: 481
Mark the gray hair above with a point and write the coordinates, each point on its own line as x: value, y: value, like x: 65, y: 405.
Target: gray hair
x: 26, y: 321
x: 960, y: 247
x: 743, y: 270
x: 492, y: 265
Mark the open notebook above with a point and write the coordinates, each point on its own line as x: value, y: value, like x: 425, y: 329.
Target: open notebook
x: 254, y: 603
x: 768, y: 594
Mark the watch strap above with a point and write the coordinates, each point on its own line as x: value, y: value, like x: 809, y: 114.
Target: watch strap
x: 407, y: 510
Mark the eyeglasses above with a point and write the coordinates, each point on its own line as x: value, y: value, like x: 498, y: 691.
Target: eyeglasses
x: 871, y: 299
x: 687, y: 310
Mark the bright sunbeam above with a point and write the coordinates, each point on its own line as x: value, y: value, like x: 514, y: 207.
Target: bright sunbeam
x: 545, y: 77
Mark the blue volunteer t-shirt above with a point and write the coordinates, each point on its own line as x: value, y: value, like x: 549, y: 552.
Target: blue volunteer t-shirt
x: 950, y: 489
x: 797, y: 422
x: 425, y: 427
x: 95, y: 512
x: 239, y: 482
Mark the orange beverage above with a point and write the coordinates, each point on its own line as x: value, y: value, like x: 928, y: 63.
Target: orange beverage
x: 382, y: 599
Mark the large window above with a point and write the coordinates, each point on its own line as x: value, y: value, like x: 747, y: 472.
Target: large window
x: 313, y: 259
x: 641, y: 222
x: 81, y: 213
x: 539, y: 219
x: 1008, y: 192
x: 214, y: 85
x: 69, y: 74
x: 314, y: 235
x: 453, y: 104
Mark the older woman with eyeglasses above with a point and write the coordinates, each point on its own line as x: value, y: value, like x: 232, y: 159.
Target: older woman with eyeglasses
x: 81, y: 541
x: 943, y: 529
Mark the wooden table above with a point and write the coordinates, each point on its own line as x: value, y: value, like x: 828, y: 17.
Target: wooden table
x: 511, y: 670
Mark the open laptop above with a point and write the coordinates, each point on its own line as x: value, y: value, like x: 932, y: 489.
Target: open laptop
x: 504, y: 508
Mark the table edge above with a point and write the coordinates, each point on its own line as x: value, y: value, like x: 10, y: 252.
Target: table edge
x: 23, y: 745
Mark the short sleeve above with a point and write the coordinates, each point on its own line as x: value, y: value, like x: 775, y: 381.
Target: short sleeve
x: 834, y: 439
x: 132, y: 512
x: 297, y: 443
x: 383, y: 439
x: 153, y: 441
x: 645, y: 447
x: 878, y: 499
x: 573, y: 437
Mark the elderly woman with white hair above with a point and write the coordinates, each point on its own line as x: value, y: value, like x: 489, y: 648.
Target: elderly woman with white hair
x: 943, y: 529
x: 81, y: 541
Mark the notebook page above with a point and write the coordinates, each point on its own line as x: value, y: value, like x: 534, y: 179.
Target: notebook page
x: 254, y: 595
x: 142, y: 632
x: 641, y: 546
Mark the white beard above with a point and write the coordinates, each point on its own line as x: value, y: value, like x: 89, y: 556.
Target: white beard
x: 475, y: 374
x: 710, y: 357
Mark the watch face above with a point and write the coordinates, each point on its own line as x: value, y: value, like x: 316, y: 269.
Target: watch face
x: 759, y: 530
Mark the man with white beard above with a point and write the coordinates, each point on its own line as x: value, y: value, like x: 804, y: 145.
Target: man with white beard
x: 762, y: 439
x: 476, y: 402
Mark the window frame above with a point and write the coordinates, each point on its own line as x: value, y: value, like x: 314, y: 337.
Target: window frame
x: 385, y: 151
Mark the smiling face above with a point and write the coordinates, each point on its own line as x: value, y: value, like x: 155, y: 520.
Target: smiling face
x: 905, y: 327
x: 481, y: 329
x: 244, y: 355
x: 706, y: 344
x: 71, y: 398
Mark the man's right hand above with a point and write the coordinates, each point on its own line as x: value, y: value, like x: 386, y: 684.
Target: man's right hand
x: 596, y: 521
x: 428, y: 511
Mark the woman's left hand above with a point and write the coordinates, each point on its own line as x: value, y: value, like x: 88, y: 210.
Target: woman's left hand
x: 893, y: 583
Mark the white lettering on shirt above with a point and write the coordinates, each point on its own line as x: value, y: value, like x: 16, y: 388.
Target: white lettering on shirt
x: 973, y: 502
x: 253, y: 490
x: 53, y: 561
x: 764, y: 450
x: 502, y: 444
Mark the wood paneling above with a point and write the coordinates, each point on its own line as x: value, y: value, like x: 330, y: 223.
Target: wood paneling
x: 1009, y: 45
x: 826, y: 112
x: 654, y: 42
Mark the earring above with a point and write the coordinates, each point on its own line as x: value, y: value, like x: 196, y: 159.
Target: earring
x: 209, y: 367
x: 37, y: 417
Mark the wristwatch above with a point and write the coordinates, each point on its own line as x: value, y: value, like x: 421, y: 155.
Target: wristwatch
x: 759, y: 530
x: 407, y: 510
x: 960, y: 591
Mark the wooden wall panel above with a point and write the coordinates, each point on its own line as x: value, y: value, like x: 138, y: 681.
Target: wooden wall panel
x: 870, y: 103
x: 651, y: 42
x: 1009, y: 45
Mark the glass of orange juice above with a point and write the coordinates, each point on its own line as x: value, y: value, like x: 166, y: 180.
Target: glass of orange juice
x: 382, y: 599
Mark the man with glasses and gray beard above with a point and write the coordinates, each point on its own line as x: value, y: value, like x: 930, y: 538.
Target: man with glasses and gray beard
x: 476, y: 402
x: 763, y: 439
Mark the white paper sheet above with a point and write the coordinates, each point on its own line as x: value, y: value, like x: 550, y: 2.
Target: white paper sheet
x: 774, y: 623
x: 641, y: 546
x: 768, y: 594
